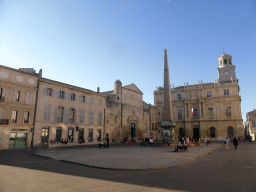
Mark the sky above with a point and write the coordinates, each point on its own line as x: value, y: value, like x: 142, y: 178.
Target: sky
x: 92, y: 43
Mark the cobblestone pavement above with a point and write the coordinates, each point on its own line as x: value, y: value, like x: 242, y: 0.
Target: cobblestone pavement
x: 126, y: 157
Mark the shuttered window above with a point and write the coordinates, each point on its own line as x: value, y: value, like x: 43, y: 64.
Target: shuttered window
x: 82, y: 117
x: 91, y: 118
x: 29, y: 98
x: 47, y: 113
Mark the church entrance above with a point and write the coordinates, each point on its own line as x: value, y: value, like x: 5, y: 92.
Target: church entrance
x: 196, y: 133
x: 132, y: 130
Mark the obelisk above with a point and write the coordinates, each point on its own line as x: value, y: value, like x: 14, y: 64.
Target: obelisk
x: 167, y: 111
x: 167, y: 124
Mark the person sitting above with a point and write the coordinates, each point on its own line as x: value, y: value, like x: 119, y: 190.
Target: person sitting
x: 61, y: 141
x: 66, y: 142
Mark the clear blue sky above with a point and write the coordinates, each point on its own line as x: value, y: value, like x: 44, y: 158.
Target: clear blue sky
x: 92, y: 43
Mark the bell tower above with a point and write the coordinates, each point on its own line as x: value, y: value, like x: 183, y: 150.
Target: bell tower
x: 226, y: 69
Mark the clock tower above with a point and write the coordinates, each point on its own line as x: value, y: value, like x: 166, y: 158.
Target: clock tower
x: 226, y: 70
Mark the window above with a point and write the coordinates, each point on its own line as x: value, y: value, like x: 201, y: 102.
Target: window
x: 91, y: 118
x: 153, y: 126
x: 2, y: 90
x: 195, y: 113
x: 72, y: 96
x: 72, y: 116
x: 158, y: 113
x: 210, y: 111
x: 179, y: 113
x: 117, y: 98
x: 47, y: 113
x: 212, y: 132
x: 209, y: 94
x: 14, y: 116
x: 17, y: 96
x: 49, y: 92
x: 26, y: 117
x: 116, y: 119
x: 83, y: 99
x: 225, y: 61
x: 179, y: 96
x: 82, y: 116
x: 228, y: 111
x: 226, y: 92
x: 60, y: 114
x: 90, y: 139
x: 92, y: 100
x: 28, y: 98
x: 61, y: 94
x: 100, y: 102
x: 181, y: 132
x: 100, y: 119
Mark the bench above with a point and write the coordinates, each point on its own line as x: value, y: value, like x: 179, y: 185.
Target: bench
x: 102, y: 145
x: 181, y: 148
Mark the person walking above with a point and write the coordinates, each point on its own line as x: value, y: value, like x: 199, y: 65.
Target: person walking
x: 235, y: 143
x: 227, y: 143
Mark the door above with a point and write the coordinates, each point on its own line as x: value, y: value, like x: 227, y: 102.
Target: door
x: 230, y: 132
x: 70, y: 134
x: 81, y: 134
x: 133, y: 130
x: 58, y: 134
x: 99, y: 135
x: 196, y: 133
x: 45, y: 135
x: 18, y: 140
x: 90, y: 135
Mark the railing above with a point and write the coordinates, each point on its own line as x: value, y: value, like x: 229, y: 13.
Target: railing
x: 4, y: 121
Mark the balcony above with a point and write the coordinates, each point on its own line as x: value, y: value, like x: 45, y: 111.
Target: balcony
x: 4, y: 121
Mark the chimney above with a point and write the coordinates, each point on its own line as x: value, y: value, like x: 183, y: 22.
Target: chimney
x: 98, y: 89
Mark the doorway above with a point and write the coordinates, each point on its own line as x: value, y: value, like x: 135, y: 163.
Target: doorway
x: 196, y: 133
x: 70, y: 134
x: 81, y: 135
x: 18, y: 140
x: 132, y: 130
x: 45, y: 135
x: 58, y: 133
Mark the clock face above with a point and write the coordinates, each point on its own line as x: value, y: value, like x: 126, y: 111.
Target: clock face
x: 226, y: 72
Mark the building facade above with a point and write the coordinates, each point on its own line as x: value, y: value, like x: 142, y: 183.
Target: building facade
x: 250, y: 124
x: 211, y: 110
x: 17, y: 106
x: 68, y: 112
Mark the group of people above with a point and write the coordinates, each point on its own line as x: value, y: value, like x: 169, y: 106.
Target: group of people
x: 106, y: 143
x: 128, y: 141
x: 228, y: 141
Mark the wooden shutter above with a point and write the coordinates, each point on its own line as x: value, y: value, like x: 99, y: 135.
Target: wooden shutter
x: 28, y: 98
x: 75, y: 118
x: 58, y: 93
x: 65, y: 115
x: 3, y: 92
x: 76, y: 97
x: 45, y: 90
x: 65, y: 95
x: 69, y: 96
x: 0, y: 114
x: 49, y: 113
x: 82, y: 117
x: 46, y: 113
x: 56, y: 114
x: 80, y: 98
x: 15, y: 94
x: 68, y: 113
x: 53, y: 92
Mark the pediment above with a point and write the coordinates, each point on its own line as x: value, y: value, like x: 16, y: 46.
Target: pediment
x: 133, y: 87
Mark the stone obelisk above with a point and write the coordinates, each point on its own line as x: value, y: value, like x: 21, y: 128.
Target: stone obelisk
x: 167, y: 124
x: 167, y: 112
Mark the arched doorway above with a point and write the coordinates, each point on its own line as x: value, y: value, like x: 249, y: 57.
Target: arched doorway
x: 230, y: 132
x: 212, y: 132
x: 133, y: 133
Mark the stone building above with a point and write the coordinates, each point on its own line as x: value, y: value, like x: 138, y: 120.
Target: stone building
x: 68, y: 112
x: 127, y: 115
x: 18, y: 90
x: 211, y: 110
x: 250, y: 124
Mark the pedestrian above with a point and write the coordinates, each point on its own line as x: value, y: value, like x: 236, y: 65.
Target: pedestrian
x: 199, y: 142
x: 235, y: 143
x: 107, y: 142
x: 227, y: 143
x: 188, y: 140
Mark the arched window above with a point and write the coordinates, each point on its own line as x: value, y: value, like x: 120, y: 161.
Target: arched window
x: 181, y: 132
x: 230, y: 61
x: 230, y: 132
x: 225, y: 61
x: 212, y: 132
